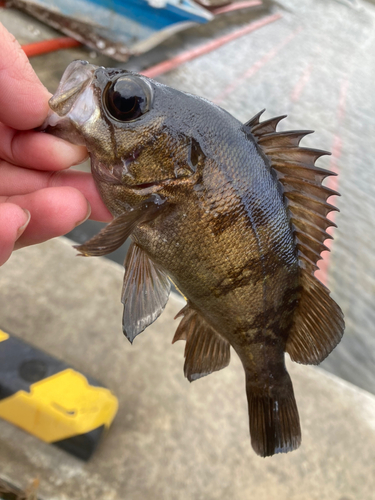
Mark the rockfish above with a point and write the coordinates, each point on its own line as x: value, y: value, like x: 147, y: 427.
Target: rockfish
x: 235, y: 215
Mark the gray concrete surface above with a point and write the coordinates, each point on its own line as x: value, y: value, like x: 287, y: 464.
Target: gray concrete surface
x: 170, y: 439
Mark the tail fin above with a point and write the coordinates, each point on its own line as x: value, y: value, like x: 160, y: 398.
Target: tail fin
x: 274, y: 420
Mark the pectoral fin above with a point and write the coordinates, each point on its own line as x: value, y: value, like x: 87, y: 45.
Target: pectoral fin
x: 145, y: 292
x: 206, y: 351
x: 118, y: 231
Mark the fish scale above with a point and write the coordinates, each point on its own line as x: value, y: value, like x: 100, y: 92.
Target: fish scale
x: 234, y: 214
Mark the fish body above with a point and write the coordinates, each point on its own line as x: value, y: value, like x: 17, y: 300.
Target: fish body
x: 234, y: 214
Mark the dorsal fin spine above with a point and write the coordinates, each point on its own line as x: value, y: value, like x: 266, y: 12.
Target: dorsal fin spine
x: 298, y: 185
x: 307, y: 214
x: 319, y: 206
x: 280, y: 139
x: 266, y: 127
x: 312, y: 229
x: 255, y: 119
x: 301, y: 170
x: 296, y: 153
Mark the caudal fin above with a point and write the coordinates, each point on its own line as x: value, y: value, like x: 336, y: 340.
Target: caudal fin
x: 274, y: 420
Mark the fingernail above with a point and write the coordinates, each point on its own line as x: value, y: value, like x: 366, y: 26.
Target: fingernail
x: 87, y: 215
x: 84, y: 159
x: 24, y: 226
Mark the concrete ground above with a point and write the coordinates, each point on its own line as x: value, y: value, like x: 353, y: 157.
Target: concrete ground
x: 172, y: 439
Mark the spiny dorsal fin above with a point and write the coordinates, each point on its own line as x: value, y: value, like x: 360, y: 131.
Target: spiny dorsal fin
x: 205, y: 350
x: 318, y: 320
x: 301, y: 181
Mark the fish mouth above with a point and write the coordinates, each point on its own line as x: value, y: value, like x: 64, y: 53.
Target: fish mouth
x: 73, y: 103
x: 75, y: 80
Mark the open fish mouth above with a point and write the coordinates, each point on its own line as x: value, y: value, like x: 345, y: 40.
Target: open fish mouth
x: 76, y: 79
x: 73, y: 103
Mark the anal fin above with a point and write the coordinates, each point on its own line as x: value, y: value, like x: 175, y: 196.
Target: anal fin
x: 318, y: 323
x: 145, y: 292
x: 205, y: 351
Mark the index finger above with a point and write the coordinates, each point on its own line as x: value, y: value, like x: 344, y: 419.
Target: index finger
x: 23, y: 98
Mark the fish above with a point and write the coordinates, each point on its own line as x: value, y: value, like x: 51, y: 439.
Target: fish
x: 235, y: 215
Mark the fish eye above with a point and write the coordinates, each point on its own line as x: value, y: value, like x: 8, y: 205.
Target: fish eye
x: 127, y: 98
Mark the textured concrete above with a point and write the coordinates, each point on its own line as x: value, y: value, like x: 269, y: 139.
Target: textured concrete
x: 170, y: 439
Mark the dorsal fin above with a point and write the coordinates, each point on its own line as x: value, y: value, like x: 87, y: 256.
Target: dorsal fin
x: 205, y: 351
x: 318, y: 321
x: 301, y: 182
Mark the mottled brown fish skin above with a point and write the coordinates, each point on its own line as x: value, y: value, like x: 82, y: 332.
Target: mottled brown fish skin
x: 226, y: 241
x: 223, y: 235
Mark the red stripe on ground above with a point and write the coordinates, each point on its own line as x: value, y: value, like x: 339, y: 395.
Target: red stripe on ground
x: 236, y: 6
x: 170, y: 64
x: 254, y: 68
x: 38, y: 48
x: 301, y: 84
x: 332, y: 182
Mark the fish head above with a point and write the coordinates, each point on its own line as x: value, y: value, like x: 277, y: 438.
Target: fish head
x: 138, y: 132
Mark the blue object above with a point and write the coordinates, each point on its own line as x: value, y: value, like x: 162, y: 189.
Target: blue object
x: 118, y: 28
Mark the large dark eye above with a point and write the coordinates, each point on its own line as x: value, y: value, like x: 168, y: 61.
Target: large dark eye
x: 127, y: 98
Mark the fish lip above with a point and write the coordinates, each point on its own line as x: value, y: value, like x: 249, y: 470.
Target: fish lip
x: 76, y: 78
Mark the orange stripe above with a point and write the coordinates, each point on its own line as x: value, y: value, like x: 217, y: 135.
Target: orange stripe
x: 38, y: 48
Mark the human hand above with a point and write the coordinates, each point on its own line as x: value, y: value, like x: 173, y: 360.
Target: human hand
x: 39, y: 197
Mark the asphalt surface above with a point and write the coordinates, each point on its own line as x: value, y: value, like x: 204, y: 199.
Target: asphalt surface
x: 316, y: 64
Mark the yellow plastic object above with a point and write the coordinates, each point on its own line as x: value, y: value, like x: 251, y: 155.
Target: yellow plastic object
x: 3, y: 336
x: 49, y: 399
x: 60, y: 406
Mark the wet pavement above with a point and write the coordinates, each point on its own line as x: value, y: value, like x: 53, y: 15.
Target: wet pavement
x: 316, y: 64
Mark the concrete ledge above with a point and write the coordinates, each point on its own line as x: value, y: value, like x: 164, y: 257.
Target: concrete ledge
x: 170, y: 439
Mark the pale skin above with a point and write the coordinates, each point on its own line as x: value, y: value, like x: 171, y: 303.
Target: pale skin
x: 39, y: 197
